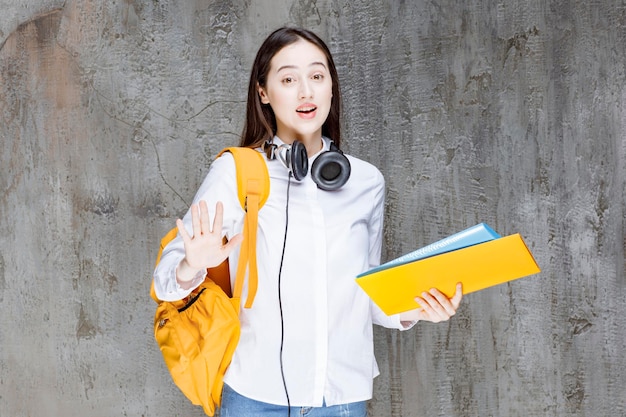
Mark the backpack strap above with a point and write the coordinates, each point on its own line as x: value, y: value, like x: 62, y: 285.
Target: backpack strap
x: 253, y: 187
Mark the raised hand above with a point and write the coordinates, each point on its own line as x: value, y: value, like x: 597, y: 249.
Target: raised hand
x: 205, y: 248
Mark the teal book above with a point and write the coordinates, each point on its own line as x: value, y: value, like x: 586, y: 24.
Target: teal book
x: 474, y: 235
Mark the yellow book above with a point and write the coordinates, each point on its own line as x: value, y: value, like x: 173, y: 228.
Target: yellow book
x: 479, y: 266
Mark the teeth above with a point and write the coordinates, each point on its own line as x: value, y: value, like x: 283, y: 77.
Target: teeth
x: 306, y: 110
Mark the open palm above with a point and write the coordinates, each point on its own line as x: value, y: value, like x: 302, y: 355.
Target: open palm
x: 205, y: 247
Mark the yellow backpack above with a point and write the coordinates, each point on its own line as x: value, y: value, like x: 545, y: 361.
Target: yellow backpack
x: 198, y: 335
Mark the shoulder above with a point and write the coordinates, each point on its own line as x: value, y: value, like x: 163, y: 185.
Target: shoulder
x: 221, y: 178
x: 223, y: 168
x: 229, y: 158
x: 231, y: 166
x: 224, y: 161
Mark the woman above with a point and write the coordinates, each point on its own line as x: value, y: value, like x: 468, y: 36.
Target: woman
x: 307, y: 342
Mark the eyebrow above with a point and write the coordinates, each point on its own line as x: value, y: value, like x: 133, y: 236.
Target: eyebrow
x: 312, y: 64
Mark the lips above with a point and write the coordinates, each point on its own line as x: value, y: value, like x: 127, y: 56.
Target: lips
x: 306, y: 108
x: 306, y: 111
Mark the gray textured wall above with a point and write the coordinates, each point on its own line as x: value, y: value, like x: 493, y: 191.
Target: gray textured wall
x: 508, y: 112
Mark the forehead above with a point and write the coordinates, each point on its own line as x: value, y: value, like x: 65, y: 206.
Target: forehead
x: 301, y: 53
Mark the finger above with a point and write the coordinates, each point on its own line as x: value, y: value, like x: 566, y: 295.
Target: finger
x: 445, y: 306
x: 219, y: 218
x: 181, y: 229
x: 195, y: 220
x: 428, y: 311
x: 432, y: 307
x: 204, y: 218
x: 458, y: 296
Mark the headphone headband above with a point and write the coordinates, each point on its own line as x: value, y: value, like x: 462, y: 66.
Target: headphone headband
x: 330, y: 170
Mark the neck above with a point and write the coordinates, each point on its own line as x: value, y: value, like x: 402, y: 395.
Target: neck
x: 313, y: 146
x: 312, y: 143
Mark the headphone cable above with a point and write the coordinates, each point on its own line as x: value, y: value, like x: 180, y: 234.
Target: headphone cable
x: 280, y: 304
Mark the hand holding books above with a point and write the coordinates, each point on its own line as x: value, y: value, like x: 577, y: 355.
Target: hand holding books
x: 434, y: 306
x: 477, y: 257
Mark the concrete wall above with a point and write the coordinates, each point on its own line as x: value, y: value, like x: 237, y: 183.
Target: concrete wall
x: 508, y: 112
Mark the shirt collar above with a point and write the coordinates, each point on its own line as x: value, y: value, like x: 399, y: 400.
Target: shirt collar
x: 325, y: 145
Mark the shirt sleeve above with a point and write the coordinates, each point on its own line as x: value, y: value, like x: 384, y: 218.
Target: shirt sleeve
x: 220, y: 184
x: 375, y: 248
x: 390, y: 322
x: 376, y: 221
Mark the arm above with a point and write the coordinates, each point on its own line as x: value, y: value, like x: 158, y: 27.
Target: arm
x: 375, y: 228
x: 199, y: 242
x: 434, y: 305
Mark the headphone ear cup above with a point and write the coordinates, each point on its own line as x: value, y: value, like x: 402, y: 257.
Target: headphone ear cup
x: 298, y: 160
x: 331, y: 170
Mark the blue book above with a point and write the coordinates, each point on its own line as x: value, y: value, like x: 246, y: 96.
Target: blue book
x: 474, y: 235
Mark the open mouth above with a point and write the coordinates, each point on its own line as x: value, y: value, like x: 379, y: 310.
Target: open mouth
x: 306, y: 110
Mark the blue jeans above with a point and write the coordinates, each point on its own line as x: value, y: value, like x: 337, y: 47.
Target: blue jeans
x: 236, y: 405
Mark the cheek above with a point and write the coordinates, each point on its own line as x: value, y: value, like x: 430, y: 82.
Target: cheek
x: 328, y: 98
x: 328, y: 93
x: 280, y: 104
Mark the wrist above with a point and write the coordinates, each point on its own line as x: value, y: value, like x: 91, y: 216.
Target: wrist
x: 408, y: 319
x: 410, y: 316
x: 187, y: 276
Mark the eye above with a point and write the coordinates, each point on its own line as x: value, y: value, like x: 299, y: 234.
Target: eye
x: 318, y: 77
x: 288, y: 80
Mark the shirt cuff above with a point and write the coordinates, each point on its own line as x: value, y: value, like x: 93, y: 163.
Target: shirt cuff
x: 194, y: 283
x: 406, y: 325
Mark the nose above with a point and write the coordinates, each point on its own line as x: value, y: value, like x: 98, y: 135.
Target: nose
x: 305, y: 89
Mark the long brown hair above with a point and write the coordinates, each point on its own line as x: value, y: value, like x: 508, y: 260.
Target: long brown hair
x: 260, y: 124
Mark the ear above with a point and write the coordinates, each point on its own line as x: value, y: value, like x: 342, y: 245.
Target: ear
x: 262, y: 94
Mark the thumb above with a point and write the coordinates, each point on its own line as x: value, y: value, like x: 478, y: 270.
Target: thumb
x: 233, y: 242
x: 458, y: 295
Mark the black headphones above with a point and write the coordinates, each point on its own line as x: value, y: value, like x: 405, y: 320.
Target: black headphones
x: 330, y: 171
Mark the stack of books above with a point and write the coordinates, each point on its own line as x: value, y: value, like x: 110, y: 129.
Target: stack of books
x: 477, y: 257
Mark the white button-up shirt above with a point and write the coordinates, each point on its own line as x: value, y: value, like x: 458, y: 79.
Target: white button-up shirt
x: 328, y: 351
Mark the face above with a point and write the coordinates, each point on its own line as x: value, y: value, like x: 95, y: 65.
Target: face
x: 299, y: 90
